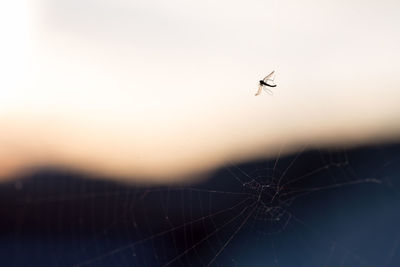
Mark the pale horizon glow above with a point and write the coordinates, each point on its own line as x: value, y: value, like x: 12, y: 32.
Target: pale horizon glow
x: 161, y: 90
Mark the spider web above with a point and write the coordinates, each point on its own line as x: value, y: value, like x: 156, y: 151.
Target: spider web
x: 259, y: 213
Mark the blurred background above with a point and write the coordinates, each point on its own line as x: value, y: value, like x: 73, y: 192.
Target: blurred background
x: 130, y: 133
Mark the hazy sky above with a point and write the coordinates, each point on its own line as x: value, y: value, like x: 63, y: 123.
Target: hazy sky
x: 161, y: 88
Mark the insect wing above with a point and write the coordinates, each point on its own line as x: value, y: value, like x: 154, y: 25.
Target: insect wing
x: 268, y: 91
x: 269, y: 77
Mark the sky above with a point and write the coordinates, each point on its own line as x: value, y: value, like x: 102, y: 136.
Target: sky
x: 155, y: 91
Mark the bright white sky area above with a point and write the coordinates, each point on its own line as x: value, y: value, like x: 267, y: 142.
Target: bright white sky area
x: 160, y: 89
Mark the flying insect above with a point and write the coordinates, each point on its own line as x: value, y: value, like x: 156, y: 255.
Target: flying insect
x: 268, y: 81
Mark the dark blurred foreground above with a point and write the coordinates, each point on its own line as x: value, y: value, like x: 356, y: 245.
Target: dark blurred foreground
x: 313, y: 208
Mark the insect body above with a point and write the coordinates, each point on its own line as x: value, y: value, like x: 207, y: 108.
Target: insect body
x: 265, y: 82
